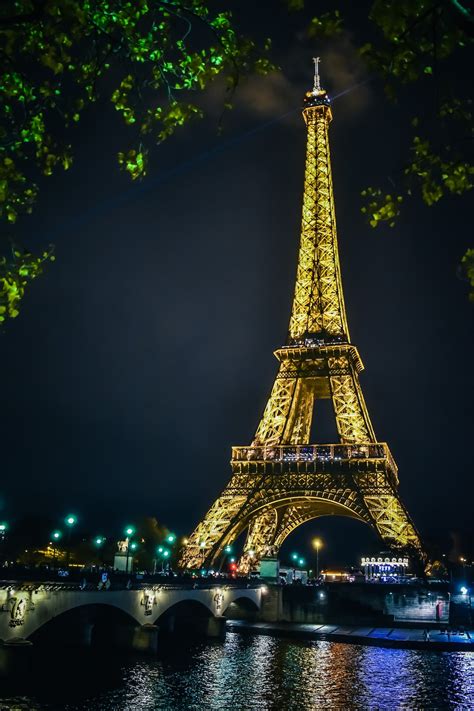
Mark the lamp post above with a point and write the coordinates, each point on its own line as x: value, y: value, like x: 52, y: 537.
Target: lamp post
x: 295, y: 557
x: 55, y: 536
x: 133, y: 547
x: 99, y: 542
x: 129, y: 531
x: 70, y: 521
x: 164, y: 554
x: 3, y: 530
x: 317, y: 544
x: 227, y: 551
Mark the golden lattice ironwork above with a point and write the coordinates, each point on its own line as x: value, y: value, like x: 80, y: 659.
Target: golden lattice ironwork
x: 282, y: 481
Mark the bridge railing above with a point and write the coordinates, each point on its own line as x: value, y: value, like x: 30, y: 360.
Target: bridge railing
x: 152, y: 582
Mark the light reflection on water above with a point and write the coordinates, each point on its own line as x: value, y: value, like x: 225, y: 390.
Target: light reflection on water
x: 268, y: 674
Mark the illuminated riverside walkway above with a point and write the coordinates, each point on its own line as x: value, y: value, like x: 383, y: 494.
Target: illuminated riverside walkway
x: 405, y: 637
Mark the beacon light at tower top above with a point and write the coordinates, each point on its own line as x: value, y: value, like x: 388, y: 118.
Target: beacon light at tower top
x: 283, y: 480
x: 317, y: 96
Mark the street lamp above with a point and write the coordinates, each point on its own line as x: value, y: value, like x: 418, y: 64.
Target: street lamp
x: 99, y: 542
x: 171, y: 537
x: 3, y: 530
x: 56, y: 536
x: 129, y: 531
x: 165, y: 555
x: 317, y: 544
x: 70, y: 520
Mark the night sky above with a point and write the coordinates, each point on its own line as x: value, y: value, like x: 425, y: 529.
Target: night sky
x: 145, y: 351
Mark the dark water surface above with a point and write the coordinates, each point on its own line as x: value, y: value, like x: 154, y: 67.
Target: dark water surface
x: 246, y: 672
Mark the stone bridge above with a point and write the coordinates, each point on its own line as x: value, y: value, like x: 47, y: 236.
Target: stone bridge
x: 35, y: 612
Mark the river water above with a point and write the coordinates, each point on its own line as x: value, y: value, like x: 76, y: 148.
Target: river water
x: 243, y: 673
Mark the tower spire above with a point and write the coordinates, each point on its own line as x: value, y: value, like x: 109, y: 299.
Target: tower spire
x: 317, y: 83
x: 318, y: 313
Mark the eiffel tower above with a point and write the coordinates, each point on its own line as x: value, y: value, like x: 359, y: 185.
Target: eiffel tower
x: 281, y: 480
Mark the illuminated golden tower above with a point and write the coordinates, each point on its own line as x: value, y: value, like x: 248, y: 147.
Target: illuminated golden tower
x: 281, y: 480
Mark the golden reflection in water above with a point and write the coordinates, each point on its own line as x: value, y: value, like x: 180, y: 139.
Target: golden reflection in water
x: 252, y: 673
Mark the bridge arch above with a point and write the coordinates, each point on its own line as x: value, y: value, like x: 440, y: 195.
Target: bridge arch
x: 83, y: 624
x: 241, y: 608
x: 188, y: 617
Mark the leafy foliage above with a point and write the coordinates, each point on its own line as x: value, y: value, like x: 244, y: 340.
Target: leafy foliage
x: 468, y: 265
x: 381, y: 208
x: 147, y: 56
x: 16, y: 272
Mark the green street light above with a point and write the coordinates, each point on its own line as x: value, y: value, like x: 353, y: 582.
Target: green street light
x: 228, y: 549
x: 171, y: 537
x: 301, y: 561
x: 166, y: 554
x: 129, y: 530
x: 160, y: 549
x: 70, y: 520
x: 232, y: 560
x: 133, y: 546
x: 56, y: 536
x: 294, y: 556
x: 99, y: 540
x: 3, y: 527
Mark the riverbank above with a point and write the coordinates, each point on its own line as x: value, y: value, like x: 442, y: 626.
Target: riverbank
x: 394, y: 637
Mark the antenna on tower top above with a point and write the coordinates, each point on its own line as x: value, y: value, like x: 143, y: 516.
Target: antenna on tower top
x: 317, y: 84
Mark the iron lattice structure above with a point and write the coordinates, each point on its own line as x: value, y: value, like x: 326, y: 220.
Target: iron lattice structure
x: 282, y: 481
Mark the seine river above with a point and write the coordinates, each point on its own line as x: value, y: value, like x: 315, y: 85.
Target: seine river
x: 247, y: 672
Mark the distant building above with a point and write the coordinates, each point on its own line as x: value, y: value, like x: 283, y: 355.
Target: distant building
x: 385, y: 569
x: 290, y: 575
x: 341, y: 575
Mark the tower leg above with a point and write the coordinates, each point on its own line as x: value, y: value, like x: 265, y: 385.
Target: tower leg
x: 260, y: 539
x: 392, y: 522
x: 352, y: 418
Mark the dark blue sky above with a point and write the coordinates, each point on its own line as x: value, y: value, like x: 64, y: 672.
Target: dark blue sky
x: 145, y: 352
